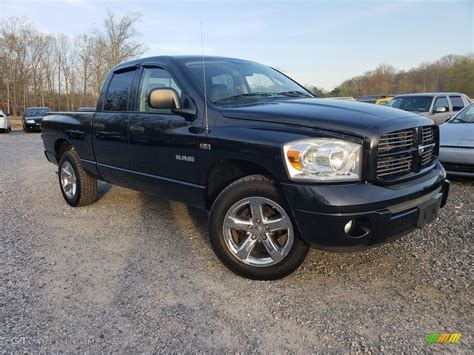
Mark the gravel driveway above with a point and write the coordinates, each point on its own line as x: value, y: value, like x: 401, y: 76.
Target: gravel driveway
x: 136, y: 273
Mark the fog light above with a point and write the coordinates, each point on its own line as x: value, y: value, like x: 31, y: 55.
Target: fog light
x: 348, y: 226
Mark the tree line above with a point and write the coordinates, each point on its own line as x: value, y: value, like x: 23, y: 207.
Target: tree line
x: 450, y: 73
x: 63, y: 73
x: 54, y: 70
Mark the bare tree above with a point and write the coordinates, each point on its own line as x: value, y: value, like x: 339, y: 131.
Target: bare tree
x: 118, y: 39
x: 53, y: 70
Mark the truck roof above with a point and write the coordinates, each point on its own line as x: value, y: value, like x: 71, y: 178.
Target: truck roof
x: 431, y: 94
x: 168, y: 58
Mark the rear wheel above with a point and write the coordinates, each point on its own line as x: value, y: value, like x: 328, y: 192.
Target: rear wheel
x: 77, y: 186
x: 252, y: 232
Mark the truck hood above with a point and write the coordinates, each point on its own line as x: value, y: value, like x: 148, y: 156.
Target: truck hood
x: 457, y: 134
x: 354, y: 118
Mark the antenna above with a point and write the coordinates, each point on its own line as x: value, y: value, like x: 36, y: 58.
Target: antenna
x: 206, y: 122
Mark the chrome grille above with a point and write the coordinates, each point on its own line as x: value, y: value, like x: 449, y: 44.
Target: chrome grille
x: 389, y: 166
x: 396, y: 140
x: 427, y: 157
x: 428, y: 137
x: 405, y: 152
x: 428, y: 134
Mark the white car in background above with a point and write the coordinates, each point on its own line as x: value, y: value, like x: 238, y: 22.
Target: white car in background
x: 456, y: 143
x: 5, y: 124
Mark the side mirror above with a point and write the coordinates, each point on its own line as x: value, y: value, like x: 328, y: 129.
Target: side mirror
x: 168, y: 99
x: 440, y: 109
x: 164, y: 99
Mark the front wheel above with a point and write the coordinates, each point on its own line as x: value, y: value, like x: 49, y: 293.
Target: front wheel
x: 251, y: 230
x: 77, y: 186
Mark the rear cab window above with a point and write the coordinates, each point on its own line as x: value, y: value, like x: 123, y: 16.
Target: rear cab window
x: 457, y: 102
x: 118, y: 92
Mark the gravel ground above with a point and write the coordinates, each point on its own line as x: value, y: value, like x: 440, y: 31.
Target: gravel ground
x: 136, y: 273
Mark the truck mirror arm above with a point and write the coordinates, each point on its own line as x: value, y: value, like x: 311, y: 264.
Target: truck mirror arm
x: 188, y: 114
x: 188, y: 110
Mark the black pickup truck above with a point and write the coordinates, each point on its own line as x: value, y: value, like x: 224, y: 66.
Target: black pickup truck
x: 278, y: 169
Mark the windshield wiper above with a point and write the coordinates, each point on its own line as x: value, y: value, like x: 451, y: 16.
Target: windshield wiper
x: 243, y: 96
x: 294, y: 93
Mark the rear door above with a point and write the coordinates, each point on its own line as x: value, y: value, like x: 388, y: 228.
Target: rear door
x: 110, y: 128
x: 457, y: 102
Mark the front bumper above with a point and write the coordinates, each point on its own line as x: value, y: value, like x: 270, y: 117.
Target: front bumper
x: 378, y: 213
x: 458, y: 161
x: 33, y: 126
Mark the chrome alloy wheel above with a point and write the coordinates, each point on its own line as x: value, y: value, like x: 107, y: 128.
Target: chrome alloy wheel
x: 258, y: 231
x: 68, y: 180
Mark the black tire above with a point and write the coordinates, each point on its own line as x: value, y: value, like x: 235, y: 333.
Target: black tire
x: 247, y: 187
x: 86, y: 184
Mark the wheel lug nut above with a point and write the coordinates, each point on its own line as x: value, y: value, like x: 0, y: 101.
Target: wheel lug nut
x: 258, y: 221
x: 253, y: 236
x: 250, y: 227
x: 267, y: 227
x: 264, y: 237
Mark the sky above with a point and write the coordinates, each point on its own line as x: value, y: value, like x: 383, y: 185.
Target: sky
x: 319, y: 43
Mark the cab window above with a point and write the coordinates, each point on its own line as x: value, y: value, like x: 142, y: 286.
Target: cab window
x: 154, y: 78
x: 441, y: 102
x: 457, y: 103
x: 118, y: 93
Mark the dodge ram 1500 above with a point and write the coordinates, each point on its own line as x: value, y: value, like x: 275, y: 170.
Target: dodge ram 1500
x: 278, y: 169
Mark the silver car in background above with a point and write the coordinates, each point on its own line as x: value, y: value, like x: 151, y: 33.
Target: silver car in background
x: 456, y: 151
x: 5, y: 124
x: 439, y: 106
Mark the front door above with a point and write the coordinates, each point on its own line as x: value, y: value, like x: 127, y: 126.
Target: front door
x: 440, y: 118
x: 163, y: 151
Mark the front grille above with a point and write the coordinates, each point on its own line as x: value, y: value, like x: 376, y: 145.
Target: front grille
x: 406, y: 152
x: 427, y: 137
x: 396, y: 140
x: 388, y: 166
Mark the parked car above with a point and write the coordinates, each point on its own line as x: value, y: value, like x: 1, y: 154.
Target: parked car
x: 278, y: 169
x: 438, y: 106
x: 5, y: 123
x: 457, y: 143
x: 372, y: 99
x: 384, y: 101
x: 33, y: 117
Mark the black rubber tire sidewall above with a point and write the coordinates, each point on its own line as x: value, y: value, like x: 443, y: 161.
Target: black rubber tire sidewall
x: 260, y: 186
x: 86, y: 185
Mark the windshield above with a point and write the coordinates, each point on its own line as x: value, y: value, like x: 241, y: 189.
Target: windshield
x: 412, y: 103
x: 231, y: 80
x: 36, y: 112
x: 465, y: 116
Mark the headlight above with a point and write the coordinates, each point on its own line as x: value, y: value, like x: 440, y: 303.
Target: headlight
x: 323, y: 160
x: 30, y: 121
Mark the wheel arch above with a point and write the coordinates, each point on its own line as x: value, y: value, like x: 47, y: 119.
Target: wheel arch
x: 62, y: 145
x: 224, y: 172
